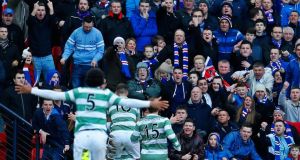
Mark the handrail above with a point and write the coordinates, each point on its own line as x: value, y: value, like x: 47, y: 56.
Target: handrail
x: 15, y: 115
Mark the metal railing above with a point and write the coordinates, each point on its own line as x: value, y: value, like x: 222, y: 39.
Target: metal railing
x: 19, y: 135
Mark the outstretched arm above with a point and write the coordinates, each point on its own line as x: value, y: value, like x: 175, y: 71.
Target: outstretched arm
x: 20, y: 88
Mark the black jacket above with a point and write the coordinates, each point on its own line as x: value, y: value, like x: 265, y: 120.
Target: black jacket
x: 112, y: 27
x: 22, y: 104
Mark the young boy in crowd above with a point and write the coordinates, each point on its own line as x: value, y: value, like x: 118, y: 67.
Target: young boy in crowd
x: 294, y: 153
x: 150, y: 59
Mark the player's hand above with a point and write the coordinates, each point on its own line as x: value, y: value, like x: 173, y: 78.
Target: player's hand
x: 23, y: 88
x: 67, y: 147
x: 157, y: 103
x: 72, y: 117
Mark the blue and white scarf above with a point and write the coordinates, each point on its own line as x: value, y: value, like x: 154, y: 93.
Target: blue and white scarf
x: 125, y: 67
x: 185, y: 58
x: 275, y: 66
x: 287, y: 136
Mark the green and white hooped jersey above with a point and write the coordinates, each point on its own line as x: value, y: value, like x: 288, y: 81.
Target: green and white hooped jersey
x: 92, y: 105
x: 123, y: 118
x: 153, y: 131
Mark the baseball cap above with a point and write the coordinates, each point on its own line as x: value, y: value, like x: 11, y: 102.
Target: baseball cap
x: 8, y: 11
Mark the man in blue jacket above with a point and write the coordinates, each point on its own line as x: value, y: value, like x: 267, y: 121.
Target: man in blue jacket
x: 239, y: 145
x: 293, y: 70
x: 87, y: 46
x: 52, y: 129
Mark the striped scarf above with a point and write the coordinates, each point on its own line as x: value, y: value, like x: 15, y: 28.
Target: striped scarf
x: 244, y: 115
x: 125, y: 67
x: 287, y: 136
x: 269, y: 15
x: 275, y: 66
x: 185, y: 58
x: 150, y: 62
x: 277, y: 43
x: 264, y: 100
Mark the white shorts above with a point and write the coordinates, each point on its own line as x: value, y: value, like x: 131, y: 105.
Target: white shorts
x: 92, y: 140
x: 123, y: 145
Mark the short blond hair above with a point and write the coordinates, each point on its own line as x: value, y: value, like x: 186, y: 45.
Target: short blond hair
x: 199, y: 57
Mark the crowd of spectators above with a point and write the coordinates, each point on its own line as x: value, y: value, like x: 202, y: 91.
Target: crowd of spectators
x: 230, y: 69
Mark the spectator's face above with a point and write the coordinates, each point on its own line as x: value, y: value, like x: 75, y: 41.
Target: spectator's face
x: 277, y: 77
x: 28, y: 59
x: 144, y: 7
x: 83, y: 5
x: 121, y: 45
x: 258, y: 72
x: 161, y: 43
x: 202, y: 84
x: 188, y: 4
x: 181, y: 114
x: 55, y: 77
x: 277, y: 33
x: 260, y: 27
x: 212, y: 141
x: 224, y: 68
x: 203, y: 7
x: 198, y: 15
x: 3, y: 33
x: 248, y: 102
x: 226, y: 10
x: 142, y: 73
x: 188, y: 128
x: 246, y: 133
x: 294, y: 16
x: 193, y: 78
x: 177, y: 75
x: 294, y: 1
x: 216, y: 84
x: 7, y: 19
x: 288, y: 35
x: 207, y: 35
x: 163, y: 74
x: 250, y: 37
x: 279, y: 128
x: 295, y: 152
x: 260, y: 95
x: 277, y: 116
x: 169, y: 5
x: 116, y: 8
x: 295, y: 95
x: 223, y: 117
x: 242, y: 91
x: 274, y: 55
x: 196, y: 95
x: 40, y: 13
x: 199, y: 65
x: 267, y: 4
x: 47, y: 107
x: 245, y: 50
x: 179, y: 37
x: 19, y: 78
x: 297, y: 50
x: 149, y: 52
x: 257, y: 3
x: 224, y: 25
x: 87, y: 27
x: 131, y: 45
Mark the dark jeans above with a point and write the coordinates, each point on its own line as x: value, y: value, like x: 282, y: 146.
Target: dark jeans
x: 52, y: 153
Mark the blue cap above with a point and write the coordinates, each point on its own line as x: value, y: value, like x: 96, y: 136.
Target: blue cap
x: 8, y: 11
